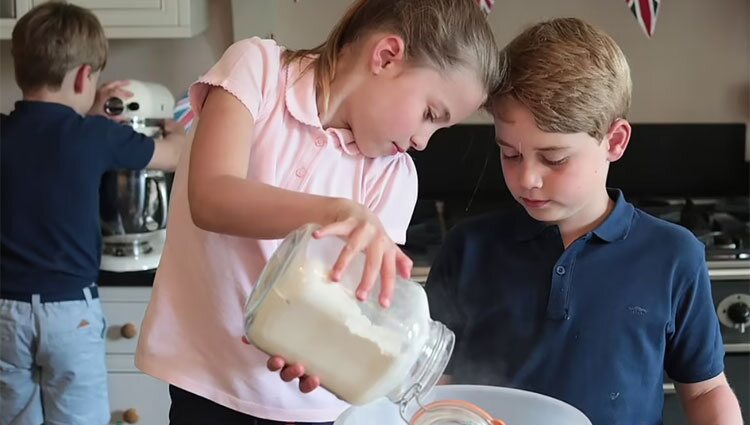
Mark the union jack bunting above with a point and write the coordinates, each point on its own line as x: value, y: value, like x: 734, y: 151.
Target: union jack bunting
x: 645, y: 11
x: 183, y: 113
x: 486, y: 5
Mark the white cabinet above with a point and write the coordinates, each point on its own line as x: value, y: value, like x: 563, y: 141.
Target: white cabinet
x: 133, y: 396
x: 10, y: 11
x: 129, y: 18
x: 138, y: 398
x: 123, y: 324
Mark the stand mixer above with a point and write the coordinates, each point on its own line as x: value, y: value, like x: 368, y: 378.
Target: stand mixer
x: 134, y: 203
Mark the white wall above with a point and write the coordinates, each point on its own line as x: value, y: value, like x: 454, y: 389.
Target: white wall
x: 696, y: 68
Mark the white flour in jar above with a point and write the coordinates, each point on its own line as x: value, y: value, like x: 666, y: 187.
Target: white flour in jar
x: 309, y: 320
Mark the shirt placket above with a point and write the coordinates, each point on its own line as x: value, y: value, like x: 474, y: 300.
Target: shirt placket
x: 303, y: 166
x: 562, y: 277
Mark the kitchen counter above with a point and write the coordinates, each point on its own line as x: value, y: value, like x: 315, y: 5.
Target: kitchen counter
x: 419, y: 273
x: 135, y: 278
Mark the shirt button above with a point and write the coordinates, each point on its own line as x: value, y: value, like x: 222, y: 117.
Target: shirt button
x: 300, y: 172
x: 560, y: 270
x: 320, y: 142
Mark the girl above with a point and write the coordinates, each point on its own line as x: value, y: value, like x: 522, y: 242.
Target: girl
x: 286, y: 138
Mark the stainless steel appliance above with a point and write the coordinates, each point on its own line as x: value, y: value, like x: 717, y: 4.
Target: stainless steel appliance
x: 134, y: 203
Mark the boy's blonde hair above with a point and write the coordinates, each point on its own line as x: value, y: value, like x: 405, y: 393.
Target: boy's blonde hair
x: 442, y: 34
x: 53, y: 38
x: 572, y: 76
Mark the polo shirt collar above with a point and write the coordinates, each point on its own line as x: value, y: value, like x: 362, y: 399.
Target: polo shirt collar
x: 302, y: 105
x: 615, y: 227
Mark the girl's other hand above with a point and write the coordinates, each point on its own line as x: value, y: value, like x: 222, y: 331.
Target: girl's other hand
x: 290, y: 372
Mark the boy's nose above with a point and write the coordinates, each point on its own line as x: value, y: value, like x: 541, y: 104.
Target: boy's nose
x: 530, y: 178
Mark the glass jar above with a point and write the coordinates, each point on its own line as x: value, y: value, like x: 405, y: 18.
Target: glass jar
x: 359, y: 350
x: 448, y: 412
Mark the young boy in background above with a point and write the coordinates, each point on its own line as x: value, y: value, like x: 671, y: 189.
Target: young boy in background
x: 576, y: 294
x: 52, y: 362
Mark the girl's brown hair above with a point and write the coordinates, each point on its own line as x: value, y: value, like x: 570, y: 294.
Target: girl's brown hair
x: 443, y: 34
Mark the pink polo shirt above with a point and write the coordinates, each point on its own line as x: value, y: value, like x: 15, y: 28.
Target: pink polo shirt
x: 191, y: 334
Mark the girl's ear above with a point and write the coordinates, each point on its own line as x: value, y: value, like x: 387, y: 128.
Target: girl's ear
x: 387, y: 52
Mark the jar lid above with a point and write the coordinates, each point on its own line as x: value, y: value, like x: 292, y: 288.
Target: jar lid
x: 457, y: 412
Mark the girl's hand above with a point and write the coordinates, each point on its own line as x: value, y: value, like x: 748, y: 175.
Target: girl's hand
x: 290, y: 372
x: 106, y: 91
x: 364, y: 232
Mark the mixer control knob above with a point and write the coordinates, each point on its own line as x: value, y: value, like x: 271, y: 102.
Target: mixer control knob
x: 739, y: 314
x: 114, y: 106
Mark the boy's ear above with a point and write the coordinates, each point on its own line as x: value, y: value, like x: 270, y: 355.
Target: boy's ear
x: 388, y: 52
x: 617, y: 139
x: 83, y: 78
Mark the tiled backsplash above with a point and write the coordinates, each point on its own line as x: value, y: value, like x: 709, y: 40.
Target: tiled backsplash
x: 661, y: 160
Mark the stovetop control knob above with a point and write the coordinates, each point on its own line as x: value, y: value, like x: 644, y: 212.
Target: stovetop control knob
x: 739, y: 314
x: 734, y: 311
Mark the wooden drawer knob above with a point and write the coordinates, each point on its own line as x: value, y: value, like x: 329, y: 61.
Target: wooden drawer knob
x: 130, y: 416
x: 128, y: 330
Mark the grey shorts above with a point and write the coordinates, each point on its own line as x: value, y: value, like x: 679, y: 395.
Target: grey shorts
x: 52, y: 362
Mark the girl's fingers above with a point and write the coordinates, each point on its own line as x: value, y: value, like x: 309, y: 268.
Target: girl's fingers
x: 291, y: 372
x: 387, y: 277
x: 354, y: 245
x: 339, y: 228
x: 404, y: 264
x: 373, y: 262
x: 308, y: 383
x: 275, y: 363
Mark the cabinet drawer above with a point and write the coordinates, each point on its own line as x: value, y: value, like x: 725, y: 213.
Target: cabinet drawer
x: 126, y: 18
x: 139, y: 397
x: 123, y: 325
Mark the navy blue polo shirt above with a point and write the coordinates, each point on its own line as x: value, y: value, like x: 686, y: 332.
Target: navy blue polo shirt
x: 595, y: 325
x: 51, y: 165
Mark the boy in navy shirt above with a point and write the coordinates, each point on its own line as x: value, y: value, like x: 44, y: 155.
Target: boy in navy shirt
x: 52, y: 362
x: 575, y: 293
